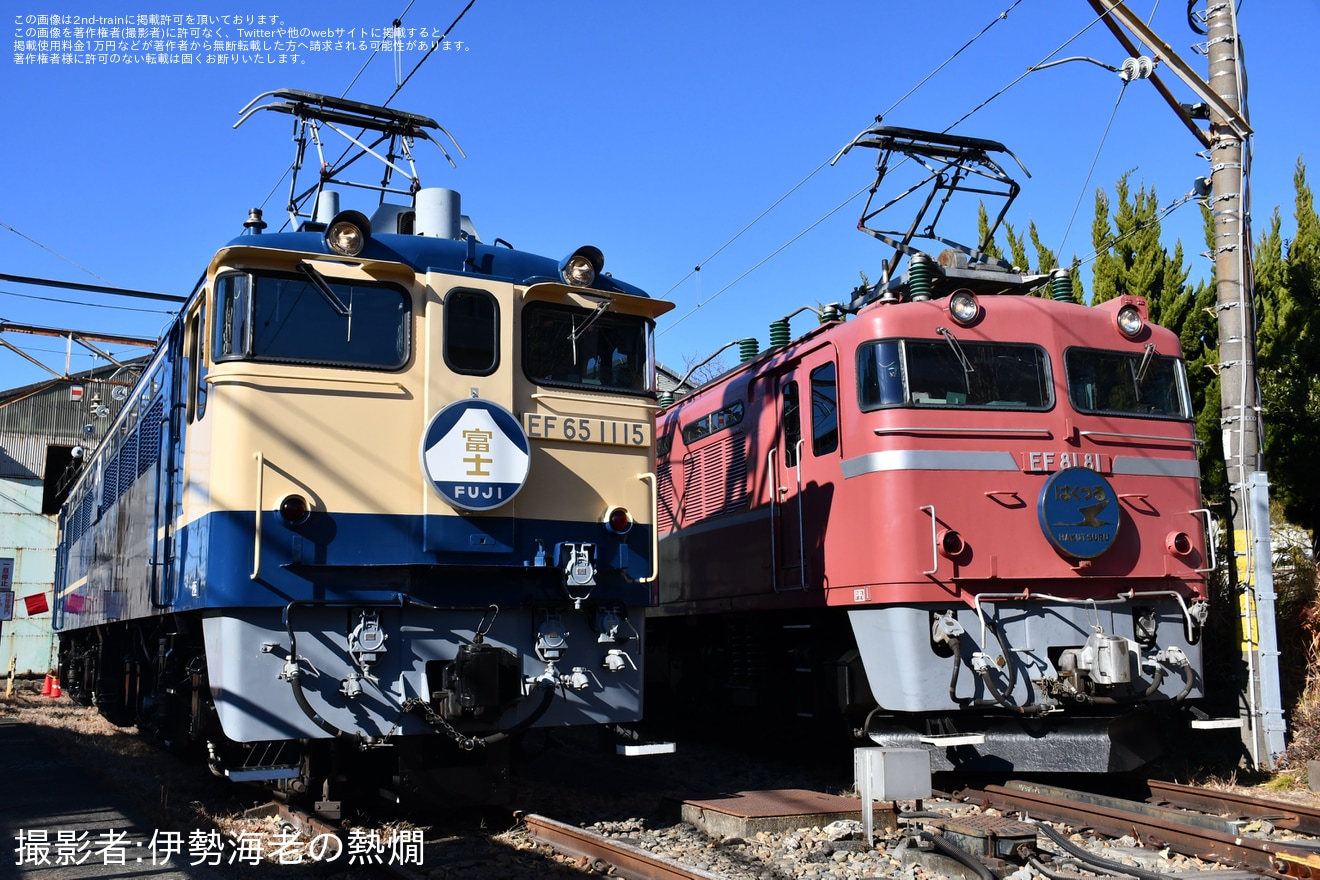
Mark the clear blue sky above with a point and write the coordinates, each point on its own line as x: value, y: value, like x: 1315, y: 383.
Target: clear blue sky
x: 655, y: 131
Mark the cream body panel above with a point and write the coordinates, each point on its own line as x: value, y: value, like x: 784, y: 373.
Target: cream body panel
x: 299, y: 428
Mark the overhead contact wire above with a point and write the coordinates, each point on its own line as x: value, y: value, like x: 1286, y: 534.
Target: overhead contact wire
x: 397, y: 87
x: 87, y: 304
x: 51, y: 251
x: 764, y: 260
x: 440, y: 39
x: 1113, y: 114
x: 998, y: 18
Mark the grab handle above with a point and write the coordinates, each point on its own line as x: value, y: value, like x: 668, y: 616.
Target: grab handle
x: 1209, y: 540
x: 256, y: 547
x: 934, y: 541
x: 649, y: 479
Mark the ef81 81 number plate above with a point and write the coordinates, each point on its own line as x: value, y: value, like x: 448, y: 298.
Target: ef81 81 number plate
x: 585, y: 429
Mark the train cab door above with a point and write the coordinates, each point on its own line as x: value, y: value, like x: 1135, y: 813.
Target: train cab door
x: 787, y: 529
x: 189, y: 395
x: 806, y: 408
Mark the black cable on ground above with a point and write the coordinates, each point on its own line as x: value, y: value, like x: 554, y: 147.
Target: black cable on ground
x: 1092, y: 859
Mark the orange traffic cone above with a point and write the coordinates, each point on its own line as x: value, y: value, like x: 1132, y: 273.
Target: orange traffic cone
x: 45, y: 688
x: 55, y: 688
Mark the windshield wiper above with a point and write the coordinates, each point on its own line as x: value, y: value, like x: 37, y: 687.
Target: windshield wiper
x: 1145, y: 362
x: 576, y: 333
x: 328, y: 294
x: 967, y: 367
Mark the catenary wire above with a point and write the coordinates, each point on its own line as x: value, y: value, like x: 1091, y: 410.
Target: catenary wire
x: 435, y: 45
x: 30, y: 349
x: 1003, y: 16
x: 1065, y: 44
x: 87, y: 304
x: 764, y: 260
x: 397, y: 21
x: 1156, y: 218
x: 117, y: 351
x: 1113, y: 114
x: 49, y: 250
x: 955, y: 124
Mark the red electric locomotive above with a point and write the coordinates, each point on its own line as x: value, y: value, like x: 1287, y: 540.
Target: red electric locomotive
x: 964, y: 511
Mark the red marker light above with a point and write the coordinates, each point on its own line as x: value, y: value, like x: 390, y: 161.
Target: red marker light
x: 618, y: 520
x: 294, y: 510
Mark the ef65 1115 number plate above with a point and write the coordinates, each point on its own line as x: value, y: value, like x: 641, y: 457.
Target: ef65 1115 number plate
x: 585, y: 429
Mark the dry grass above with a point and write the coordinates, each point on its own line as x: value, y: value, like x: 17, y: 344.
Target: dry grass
x: 1299, y: 645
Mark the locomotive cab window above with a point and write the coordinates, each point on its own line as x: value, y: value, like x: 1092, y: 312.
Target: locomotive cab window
x: 597, y: 349
x: 712, y: 423
x: 1127, y: 383
x: 472, y: 328
x: 791, y: 416
x: 311, y: 319
x: 194, y: 369
x: 947, y: 372
x: 824, y: 410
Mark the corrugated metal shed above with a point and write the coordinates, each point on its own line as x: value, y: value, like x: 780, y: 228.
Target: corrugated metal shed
x: 28, y: 538
x: 39, y: 426
x: 51, y: 413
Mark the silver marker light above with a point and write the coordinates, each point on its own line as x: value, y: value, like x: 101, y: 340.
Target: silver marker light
x: 348, y: 233
x: 1129, y: 321
x: 963, y: 307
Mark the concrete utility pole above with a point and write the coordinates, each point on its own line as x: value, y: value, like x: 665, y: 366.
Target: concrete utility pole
x: 1249, y: 536
x: 1239, y: 401
x: 1252, y: 572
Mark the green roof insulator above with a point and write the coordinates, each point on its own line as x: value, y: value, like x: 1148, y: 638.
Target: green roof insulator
x: 665, y: 399
x: 748, y: 349
x: 830, y: 313
x: 920, y: 272
x: 1061, y: 285
x: 780, y: 334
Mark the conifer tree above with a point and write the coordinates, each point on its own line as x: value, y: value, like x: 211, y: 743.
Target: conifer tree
x: 1130, y: 260
x: 1105, y: 269
x: 1287, y: 292
x: 982, y: 227
x: 1017, y: 248
x: 1046, y: 261
x: 1198, y: 333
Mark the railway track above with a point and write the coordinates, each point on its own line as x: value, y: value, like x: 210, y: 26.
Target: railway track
x: 631, y: 848
x: 605, y: 856
x: 1281, y: 814
x: 1198, y: 823
x: 1217, y: 836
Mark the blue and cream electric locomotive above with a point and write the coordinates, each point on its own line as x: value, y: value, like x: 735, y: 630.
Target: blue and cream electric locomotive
x: 385, y: 493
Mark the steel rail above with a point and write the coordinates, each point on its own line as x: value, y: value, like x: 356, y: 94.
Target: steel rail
x: 1266, y: 856
x: 613, y: 857
x: 312, y: 825
x: 1281, y: 814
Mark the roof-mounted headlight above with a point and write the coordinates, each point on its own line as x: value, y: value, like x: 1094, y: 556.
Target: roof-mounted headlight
x: 1129, y: 321
x: 348, y: 233
x: 582, y: 266
x: 963, y: 307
